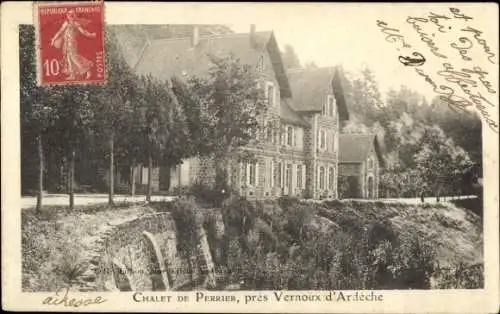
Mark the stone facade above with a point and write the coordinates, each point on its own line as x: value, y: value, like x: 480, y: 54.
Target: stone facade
x: 362, y: 178
x: 297, y: 152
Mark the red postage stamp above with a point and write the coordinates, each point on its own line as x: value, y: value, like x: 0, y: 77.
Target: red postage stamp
x: 70, y: 43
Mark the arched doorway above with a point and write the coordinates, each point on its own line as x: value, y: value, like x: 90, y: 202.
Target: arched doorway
x: 370, y: 188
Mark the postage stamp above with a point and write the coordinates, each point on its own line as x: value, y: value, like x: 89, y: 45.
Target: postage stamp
x: 70, y: 43
x: 295, y: 158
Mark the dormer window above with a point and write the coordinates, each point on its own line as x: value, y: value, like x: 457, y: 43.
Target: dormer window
x: 331, y: 105
x: 322, y: 139
x: 260, y: 64
x: 370, y: 163
x: 270, y: 94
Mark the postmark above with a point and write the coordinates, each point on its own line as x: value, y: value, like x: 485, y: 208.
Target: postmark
x: 70, y: 43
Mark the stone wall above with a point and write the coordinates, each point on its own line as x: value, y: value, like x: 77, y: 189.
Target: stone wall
x: 141, y: 254
x: 128, y: 250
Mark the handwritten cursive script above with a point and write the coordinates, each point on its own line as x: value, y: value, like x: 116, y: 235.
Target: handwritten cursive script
x: 409, y: 61
x: 466, y: 83
x: 66, y: 301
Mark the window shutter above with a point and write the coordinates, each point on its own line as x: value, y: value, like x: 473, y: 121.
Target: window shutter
x: 242, y: 173
x: 266, y: 172
x: 304, y: 173
x: 294, y: 137
x: 256, y: 174
x: 271, y: 173
x: 334, y: 141
x: 282, y: 174
x: 247, y: 166
x: 330, y: 140
x: 319, y: 139
x: 298, y: 137
x: 317, y: 175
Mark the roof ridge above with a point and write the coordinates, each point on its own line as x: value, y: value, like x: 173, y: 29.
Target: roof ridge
x: 221, y: 36
x: 358, y: 134
x: 147, y: 44
x: 304, y: 70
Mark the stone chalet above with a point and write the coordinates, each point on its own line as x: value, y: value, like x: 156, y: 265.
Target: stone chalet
x: 360, y: 161
x: 298, y: 158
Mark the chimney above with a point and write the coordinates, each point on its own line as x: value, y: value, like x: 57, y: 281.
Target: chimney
x: 195, y: 39
x: 253, y: 42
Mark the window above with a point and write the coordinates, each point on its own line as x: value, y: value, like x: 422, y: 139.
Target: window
x: 322, y: 139
x: 251, y: 174
x: 289, y: 136
x: 370, y: 163
x: 271, y: 173
x: 324, y: 109
x: 299, y: 138
x: 322, y: 178
x: 331, y: 178
x: 269, y: 132
x: 299, y: 176
x: 270, y: 94
x: 331, y: 105
x: 277, y: 174
x: 288, y: 177
x: 260, y: 64
x: 243, y: 169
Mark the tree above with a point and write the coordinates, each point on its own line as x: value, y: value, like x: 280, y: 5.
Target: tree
x: 441, y: 163
x: 167, y: 133
x: 75, y: 107
x: 114, y: 104
x: 311, y: 66
x: 233, y: 103
x: 290, y: 59
x: 36, y: 112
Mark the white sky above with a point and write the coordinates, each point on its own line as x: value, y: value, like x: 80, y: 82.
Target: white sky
x: 331, y: 34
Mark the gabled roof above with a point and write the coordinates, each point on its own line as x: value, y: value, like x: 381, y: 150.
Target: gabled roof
x: 311, y: 87
x: 288, y: 115
x: 164, y: 58
x: 354, y: 148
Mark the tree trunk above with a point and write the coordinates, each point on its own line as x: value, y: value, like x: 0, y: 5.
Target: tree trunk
x: 111, y: 169
x: 191, y: 271
x: 221, y: 180
x: 71, y: 179
x: 133, y: 169
x: 39, y: 194
x: 150, y: 181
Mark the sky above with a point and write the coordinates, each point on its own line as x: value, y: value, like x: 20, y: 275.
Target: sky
x: 348, y: 35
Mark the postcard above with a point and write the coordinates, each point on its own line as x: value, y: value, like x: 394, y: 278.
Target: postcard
x: 250, y: 157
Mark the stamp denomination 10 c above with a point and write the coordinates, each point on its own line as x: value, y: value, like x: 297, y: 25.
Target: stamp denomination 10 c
x: 70, y: 43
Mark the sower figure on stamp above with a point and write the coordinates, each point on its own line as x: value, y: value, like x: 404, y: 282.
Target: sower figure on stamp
x: 72, y: 63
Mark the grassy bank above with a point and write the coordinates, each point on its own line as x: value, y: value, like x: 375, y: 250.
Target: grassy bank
x: 282, y: 244
x: 350, y: 245
x: 57, y: 243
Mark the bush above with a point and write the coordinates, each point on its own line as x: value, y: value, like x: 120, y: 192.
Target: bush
x: 378, y: 232
x: 414, y: 263
x: 239, y: 214
x: 286, y: 202
x: 183, y: 213
x: 122, y: 188
x: 208, y: 195
x: 460, y: 277
x: 51, y: 258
